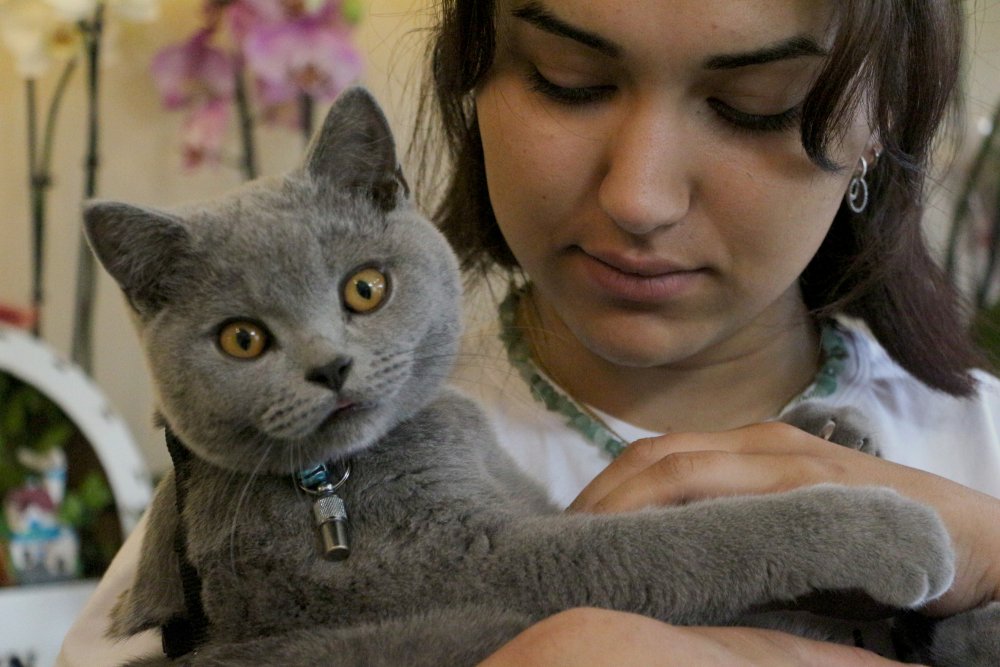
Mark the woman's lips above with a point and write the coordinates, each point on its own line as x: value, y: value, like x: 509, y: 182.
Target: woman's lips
x: 639, y: 280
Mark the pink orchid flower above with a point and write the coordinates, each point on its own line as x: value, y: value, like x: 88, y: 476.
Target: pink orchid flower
x: 204, y: 133
x: 244, y: 16
x: 194, y: 71
x: 303, y: 56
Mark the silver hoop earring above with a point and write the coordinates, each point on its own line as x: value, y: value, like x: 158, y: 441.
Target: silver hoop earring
x: 857, y: 190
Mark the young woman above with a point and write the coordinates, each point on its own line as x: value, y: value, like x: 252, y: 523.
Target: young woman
x: 688, y: 193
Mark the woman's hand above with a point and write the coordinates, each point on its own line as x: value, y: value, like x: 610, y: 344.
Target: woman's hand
x: 598, y: 637
x: 772, y: 457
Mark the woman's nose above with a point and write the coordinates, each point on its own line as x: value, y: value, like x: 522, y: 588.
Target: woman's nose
x: 647, y: 183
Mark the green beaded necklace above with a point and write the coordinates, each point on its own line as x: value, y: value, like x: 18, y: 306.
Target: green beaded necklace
x: 832, y: 342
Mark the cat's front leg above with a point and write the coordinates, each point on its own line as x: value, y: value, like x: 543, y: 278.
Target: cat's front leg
x: 156, y: 594
x: 968, y: 639
x: 452, y: 637
x: 708, y: 562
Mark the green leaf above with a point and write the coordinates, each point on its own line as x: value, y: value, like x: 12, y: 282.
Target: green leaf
x: 95, y: 493
x: 986, y: 332
x: 72, y: 510
x: 14, y: 417
x: 12, y: 476
x: 55, y: 436
x: 354, y: 11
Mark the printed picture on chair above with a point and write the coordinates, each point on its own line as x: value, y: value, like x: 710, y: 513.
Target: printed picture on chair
x: 57, y: 521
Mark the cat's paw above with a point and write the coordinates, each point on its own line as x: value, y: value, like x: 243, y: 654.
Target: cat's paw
x: 894, y: 549
x: 844, y: 426
x: 969, y: 639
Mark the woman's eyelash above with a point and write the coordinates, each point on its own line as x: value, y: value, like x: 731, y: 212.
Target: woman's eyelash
x: 568, y: 95
x: 741, y: 120
x: 752, y: 122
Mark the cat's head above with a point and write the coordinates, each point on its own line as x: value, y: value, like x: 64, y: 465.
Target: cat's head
x: 295, y: 319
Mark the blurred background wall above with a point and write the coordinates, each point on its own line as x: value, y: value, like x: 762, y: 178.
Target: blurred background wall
x: 141, y: 162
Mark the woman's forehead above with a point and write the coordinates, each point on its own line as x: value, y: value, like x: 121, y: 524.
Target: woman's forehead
x: 697, y: 25
x: 704, y: 17
x: 677, y: 40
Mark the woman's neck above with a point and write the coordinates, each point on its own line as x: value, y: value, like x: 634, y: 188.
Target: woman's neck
x: 760, y: 369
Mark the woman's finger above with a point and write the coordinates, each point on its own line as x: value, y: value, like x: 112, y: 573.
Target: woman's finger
x: 688, y: 476
x: 770, y: 438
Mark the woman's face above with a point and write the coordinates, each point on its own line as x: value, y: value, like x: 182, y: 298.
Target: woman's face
x: 645, y: 167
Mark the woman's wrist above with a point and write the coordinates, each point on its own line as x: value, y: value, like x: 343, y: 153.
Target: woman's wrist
x: 600, y: 637
x: 973, y: 519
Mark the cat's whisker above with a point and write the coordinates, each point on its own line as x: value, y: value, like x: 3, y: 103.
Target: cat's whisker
x: 239, y: 503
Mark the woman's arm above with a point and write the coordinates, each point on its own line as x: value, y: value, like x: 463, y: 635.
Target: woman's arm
x: 773, y: 457
x: 598, y: 637
x: 87, y: 644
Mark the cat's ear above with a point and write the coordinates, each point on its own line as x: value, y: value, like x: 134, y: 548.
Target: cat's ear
x: 140, y: 247
x: 355, y: 150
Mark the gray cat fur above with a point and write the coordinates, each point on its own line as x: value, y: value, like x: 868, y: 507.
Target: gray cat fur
x: 453, y: 549
x: 968, y: 639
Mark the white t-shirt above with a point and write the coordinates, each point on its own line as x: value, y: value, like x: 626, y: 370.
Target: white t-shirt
x: 915, y: 425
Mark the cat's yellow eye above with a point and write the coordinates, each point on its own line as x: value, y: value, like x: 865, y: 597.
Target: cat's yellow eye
x: 365, y: 290
x: 243, y: 340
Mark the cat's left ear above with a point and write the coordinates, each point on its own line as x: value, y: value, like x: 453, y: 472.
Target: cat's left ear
x: 143, y: 249
x: 355, y: 150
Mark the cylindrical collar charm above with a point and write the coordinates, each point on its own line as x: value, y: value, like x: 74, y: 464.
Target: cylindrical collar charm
x: 329, y: 511
x: 331, y: 520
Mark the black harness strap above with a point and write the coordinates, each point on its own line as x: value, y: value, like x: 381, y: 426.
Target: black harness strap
x: 184, y: 633
x: 912, y: 636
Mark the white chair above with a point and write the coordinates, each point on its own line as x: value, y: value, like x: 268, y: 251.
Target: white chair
x: 35, y: 618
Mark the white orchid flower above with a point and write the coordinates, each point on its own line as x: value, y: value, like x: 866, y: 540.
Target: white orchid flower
x: 73, y: 10
x: 37, y: 35
x: 137, y: 11
x: 313, y: 6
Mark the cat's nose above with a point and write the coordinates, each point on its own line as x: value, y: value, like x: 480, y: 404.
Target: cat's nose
x: 333, y: 374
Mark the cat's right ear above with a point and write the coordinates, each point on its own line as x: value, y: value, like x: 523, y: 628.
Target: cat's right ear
x: 140, y: 247
x: 355, y: 150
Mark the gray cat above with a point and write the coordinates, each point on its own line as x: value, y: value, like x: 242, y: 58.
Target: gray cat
x: 310, y: 320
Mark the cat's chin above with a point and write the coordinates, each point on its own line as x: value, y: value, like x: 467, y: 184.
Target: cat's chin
x: 345, y: 430
x: 344, y: 408
x: 342, y: 415
x: 340, y: 433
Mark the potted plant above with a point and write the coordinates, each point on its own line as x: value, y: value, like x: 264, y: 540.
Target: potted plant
x: 973, y: 251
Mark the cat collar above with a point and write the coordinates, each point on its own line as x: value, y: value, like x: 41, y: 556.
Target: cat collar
x: 329, y: 511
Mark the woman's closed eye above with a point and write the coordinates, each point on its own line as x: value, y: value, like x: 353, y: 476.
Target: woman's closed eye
x: 756, y: 122
x: 581, y: 95
x: 569, y: 95
x: 593, y: 94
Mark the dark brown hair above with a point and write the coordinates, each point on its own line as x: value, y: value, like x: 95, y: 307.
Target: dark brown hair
x: 899, y: 58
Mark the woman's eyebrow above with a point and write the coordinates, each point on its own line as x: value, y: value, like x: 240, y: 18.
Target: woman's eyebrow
x: 793, y: 47
x: 543, y: 19
x: 538, y: 15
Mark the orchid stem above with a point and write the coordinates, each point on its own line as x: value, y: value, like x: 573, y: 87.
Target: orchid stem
x: 249, y: 161
x: 39, y: 182
x: 37, y: 190
x: 50, y: 121
x: 960, y: 216
x: 82, y: 348
x: 306, y: 116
